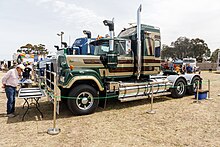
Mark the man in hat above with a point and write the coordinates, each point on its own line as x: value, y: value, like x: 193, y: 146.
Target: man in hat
x: 10, y: 81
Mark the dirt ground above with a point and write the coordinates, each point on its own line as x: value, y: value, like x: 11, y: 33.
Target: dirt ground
x: 177, y: 122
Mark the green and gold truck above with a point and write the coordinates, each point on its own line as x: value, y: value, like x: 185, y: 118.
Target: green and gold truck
x: 126, y: 67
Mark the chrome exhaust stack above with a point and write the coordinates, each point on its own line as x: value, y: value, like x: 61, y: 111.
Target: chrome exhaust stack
x: 88, y: 33
x: 110, y: 24
x: 139, y: 42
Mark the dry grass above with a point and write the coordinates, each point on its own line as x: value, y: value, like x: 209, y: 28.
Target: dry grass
x: 177, y: 122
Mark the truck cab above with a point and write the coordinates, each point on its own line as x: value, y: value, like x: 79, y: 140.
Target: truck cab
x: 80, y: 46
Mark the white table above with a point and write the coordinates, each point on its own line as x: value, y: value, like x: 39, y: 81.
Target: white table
x: 33, y: 94
x: 27, y: 83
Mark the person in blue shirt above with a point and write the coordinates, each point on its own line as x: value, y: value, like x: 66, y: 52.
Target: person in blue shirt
x: 189, y: 69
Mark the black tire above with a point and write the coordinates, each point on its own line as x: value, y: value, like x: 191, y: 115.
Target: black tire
x: 84, y: 100
x: 193, y: 85
x: 179, y: 89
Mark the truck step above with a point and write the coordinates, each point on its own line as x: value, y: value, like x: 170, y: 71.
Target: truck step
x: 132, y: 98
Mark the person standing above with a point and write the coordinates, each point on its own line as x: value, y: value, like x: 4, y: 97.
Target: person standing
x: 177, y: 69
x: 183, y: 70
x: 10, y: 81
x: 26, y: 74
x: 13, y: 66
x: 170, y: 64
x: 2, y: 67
x: 189, y: 68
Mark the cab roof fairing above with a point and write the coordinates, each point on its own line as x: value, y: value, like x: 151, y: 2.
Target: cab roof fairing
x: 96, y: 42
x: 133, y: 30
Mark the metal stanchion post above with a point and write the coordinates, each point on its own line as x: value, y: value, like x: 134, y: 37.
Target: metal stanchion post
x: 54, y: 130
x: 209, y: 92
x: 197, y: 93
x: 152, y: 101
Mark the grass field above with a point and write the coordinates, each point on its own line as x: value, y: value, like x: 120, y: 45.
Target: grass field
x: 177, y: 122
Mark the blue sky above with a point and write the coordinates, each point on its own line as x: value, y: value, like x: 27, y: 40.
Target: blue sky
x: 38, y: 21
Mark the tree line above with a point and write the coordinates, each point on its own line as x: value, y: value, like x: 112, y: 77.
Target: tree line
x: 184, y: 47
x: 33, y: 49
x: 181, y: 48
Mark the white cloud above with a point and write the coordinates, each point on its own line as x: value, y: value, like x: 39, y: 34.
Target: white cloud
x: 40, y: 20
x: 72, y: 14
x: 197, y: 18
x: 74, y: 18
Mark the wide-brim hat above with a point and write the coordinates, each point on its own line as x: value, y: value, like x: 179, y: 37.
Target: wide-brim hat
x: 21, y: 66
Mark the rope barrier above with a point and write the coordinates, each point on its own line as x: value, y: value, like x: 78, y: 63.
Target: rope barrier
x: 54, y: 130
x: 114, y: 96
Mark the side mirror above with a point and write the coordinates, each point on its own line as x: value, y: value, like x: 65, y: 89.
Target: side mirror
x: 64, y: 65
x: 110, y: 60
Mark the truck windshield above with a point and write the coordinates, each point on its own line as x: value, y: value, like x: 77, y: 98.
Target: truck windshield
x: 103, y: 47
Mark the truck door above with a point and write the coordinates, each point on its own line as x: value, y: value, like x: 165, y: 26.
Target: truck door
x: 118, y: 62
x: 125, y: 65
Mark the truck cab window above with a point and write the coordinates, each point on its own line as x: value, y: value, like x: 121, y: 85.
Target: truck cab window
x: 148, y: 43
x: 101, y: 47
x: 157, y: 48
x: 120, y: 47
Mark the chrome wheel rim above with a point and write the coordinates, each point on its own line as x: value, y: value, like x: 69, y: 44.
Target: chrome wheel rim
x: 84, y: 100
x: 180, y: 87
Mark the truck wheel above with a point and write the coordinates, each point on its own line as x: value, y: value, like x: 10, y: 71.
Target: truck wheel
x: 179, y: 89
x: 83, y: 100
x: 192, y: 88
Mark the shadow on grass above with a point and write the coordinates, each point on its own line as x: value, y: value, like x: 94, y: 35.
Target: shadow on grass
x: 116, y: 104
x: 47, y: 109
x: 34, y: 115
